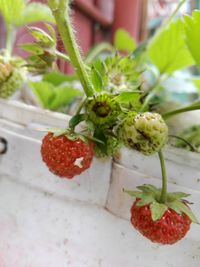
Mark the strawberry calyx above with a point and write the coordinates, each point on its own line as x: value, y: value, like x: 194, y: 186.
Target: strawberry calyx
x: 69, y: 133
x: 150, y: 195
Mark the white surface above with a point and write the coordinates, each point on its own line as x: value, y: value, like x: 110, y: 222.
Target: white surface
x: 50, y: 222
x: 119, y: 202
x: 38, y: 230
x: 183, y: 167
x: 23, y: 159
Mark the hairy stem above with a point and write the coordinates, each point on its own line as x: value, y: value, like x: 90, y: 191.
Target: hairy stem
x: 163, y: 196
x: 61, y: 12
x: 152, y: 91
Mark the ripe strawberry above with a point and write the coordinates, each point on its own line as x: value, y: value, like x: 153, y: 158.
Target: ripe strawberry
x: 170, y: 228
x: 66, y: 156
x: 164, y: 223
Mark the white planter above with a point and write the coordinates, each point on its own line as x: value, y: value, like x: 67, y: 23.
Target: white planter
x: 18, y: 124
x: 132, y: 169
x: 47, y: 221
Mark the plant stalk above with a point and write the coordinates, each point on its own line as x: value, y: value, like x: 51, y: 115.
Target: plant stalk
x: 169, y: 114
x: 175, y: 11
x: 192, y: 148
x: 61, y: 12
x: 152, y: 91
x: 62, y: 56
x: 163, y: 196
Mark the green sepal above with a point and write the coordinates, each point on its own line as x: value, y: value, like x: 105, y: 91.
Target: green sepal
x: 95, y: 139
x: 42, y: 37
x: 133, y: 193
x: 148, y: 188
x: 32, y: 47
x: 57, y: 132
x: 157, y: 210
x: 149, y: 194
x: 51, y: 31
x: 146, y: 199
x: 75, y: 120
x: 176, y: 195
x: 96, y: 79
x: 180, y: 208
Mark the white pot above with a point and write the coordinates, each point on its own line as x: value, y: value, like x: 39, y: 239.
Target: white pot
x: 47, y: 221
x: 18, y: 125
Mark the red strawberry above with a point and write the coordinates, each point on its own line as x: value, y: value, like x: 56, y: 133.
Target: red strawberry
x: 66, y: 157
x: 170, y: 228
x: 161, y: 222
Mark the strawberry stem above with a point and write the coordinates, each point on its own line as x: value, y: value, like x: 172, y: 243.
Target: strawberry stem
x: 61, y: 10
x: 163, y: 196
x: 181, y: 110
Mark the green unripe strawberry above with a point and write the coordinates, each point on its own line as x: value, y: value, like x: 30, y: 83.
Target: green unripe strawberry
x: 146, y: 132
x: 102, y: 109
x: 13, y: 82
x: 5, y: 71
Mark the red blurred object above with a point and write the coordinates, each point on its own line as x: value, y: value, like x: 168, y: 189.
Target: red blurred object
x: 127, y: 16
x: 94, y: 21
x: 84, y: 31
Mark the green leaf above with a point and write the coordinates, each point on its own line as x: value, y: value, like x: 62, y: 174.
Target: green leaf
x: 75, y: 120
x: 168, y: 50
x: 63, y: 96
x: 132, y: 98
x: 139, y: 50
x: 31, y: 47
x: 34, y: 12
x: 12, y: 10
x: 51, y: 31
x: 192, y: 26
x: 43, y: 91
x: 124, y: 41
x: 96, y: 80
x: 97, y: 50
x: 197, y: 84
x: 157, y: 210
x: 52, y: 97
x: 133, y: 193
x: 57, y: 78
x: 180, y: 207
x: 42, y: 36
x: 99, y: 66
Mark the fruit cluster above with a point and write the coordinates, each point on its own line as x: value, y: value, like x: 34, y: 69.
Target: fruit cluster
x: 115, y: 114
x: 12, y: 76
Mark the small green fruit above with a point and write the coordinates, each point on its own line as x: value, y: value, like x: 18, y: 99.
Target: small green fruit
x: 146, y: 132
x: 14, y: 82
